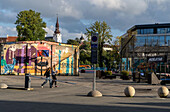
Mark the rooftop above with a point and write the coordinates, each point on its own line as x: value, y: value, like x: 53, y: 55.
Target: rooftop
x: 156, y: 25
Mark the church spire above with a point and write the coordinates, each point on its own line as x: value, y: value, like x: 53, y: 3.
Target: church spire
x: 57, y: 27
x: 57, y: 35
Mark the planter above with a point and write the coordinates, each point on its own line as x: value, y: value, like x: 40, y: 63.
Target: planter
x: 124, y: 77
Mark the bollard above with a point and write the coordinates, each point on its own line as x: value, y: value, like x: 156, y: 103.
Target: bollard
x: 129, y: 91
x: 3, y: 86
x: 27, y: 81
x: 163, y: 92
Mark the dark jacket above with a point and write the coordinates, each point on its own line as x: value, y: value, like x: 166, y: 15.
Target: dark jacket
x: 47, y: 73
x: 53, y: 75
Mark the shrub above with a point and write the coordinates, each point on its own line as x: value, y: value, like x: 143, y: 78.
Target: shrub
x: 108, y: 72
x: 125, y: 73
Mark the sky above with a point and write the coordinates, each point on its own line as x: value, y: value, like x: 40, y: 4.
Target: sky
x: 77, y: 15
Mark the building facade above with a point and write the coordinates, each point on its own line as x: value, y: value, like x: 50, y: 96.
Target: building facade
x: 8, y: 39
x: 146, y: 47
x: 35, y: 57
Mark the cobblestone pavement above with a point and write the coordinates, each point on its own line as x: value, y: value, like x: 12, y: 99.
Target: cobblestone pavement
x: 72, y: 97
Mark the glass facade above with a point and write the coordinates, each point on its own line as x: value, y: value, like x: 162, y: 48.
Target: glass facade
x: 156, y: 38
x: 163, y: 30
x: 151, y: 31
x: 145, y: 31
x: 152, y: 40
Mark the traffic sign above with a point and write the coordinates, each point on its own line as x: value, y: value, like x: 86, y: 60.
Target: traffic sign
x: 94, y: 46
x: 94, y: 38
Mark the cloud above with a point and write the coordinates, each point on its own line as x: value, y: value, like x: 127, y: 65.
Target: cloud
x: 4, y: 31
x: 76, y: 15
x: 50, y: 30
x: 123, y: 6
x: 68, y: 35
x: 7, y: 16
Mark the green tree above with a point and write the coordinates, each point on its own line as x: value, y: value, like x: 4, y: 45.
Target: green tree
x: 118, y: 40
x: 30, y: 26
x: 73, y: 42
x: 85, y: 46
x: 85, y: 56
x: 51, y: 40
x: 104, y: 37
x: 85, y: 53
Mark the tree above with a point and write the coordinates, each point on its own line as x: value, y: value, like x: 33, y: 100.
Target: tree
x: 74, y: 42
x: 30, y: 26
x: 85, y: 56
x: 85, y: 53
x: 85, y: 46
x: 51, y: 40
x: 104, y: 37
x: 118, y: 40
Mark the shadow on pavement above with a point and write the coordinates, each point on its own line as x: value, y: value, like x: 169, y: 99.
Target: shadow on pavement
x: 21, y: 106
x: 167, y: 104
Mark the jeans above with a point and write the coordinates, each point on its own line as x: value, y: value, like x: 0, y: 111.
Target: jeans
x: 46, y: 80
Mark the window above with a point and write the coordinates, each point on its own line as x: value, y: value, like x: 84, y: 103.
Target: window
x: 145, y: 31
x: 151, y: 40
x: 163, y: 30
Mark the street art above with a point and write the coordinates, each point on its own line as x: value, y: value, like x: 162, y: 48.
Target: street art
x: 35, y: 56
x: 9, y: 67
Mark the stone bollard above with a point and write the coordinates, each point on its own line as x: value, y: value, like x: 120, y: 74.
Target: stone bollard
x: 3, y: 86
x: 129, y: 91
x: 163, y: 92
x: 94, y: 93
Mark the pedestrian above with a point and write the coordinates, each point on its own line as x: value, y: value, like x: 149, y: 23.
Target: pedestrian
x: 54, y: 77
x: 47, y: 74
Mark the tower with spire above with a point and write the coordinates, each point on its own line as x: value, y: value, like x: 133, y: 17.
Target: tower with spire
x: 57, y: 35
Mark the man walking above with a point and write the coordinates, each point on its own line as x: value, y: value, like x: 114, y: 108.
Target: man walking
x: 47, y: 74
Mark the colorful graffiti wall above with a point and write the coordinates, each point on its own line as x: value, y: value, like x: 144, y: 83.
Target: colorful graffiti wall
x: 34, y: 56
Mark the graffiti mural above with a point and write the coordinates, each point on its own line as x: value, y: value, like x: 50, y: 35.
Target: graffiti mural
x: 35, y: 56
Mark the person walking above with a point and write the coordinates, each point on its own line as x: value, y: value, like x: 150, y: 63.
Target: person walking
x: 47, y: 74
x: 54, y: 77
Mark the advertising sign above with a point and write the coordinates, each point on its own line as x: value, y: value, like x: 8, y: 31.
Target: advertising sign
x: 157, y: 59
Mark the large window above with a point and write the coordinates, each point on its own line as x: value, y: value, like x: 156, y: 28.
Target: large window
x: 152, y: 40
x: 163, y: 30
x: 145, y: 31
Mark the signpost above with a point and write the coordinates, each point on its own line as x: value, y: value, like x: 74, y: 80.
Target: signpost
x: 94, y: 49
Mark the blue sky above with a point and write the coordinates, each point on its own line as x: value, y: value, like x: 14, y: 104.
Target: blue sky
x: 77, y: 15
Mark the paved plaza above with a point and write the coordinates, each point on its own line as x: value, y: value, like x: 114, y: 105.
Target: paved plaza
x: 72, y: 97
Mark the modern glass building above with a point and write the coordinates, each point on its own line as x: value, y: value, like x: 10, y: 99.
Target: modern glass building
x: 146, y: 47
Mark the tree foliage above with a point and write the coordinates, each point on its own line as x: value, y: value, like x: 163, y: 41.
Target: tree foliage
x: 111, y: 58
x: 86, y: 46
x: 73, y: 42
x: 30, y: 26
x: 85, y: 53
x: 104, y: 37
x: 118, y: 40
